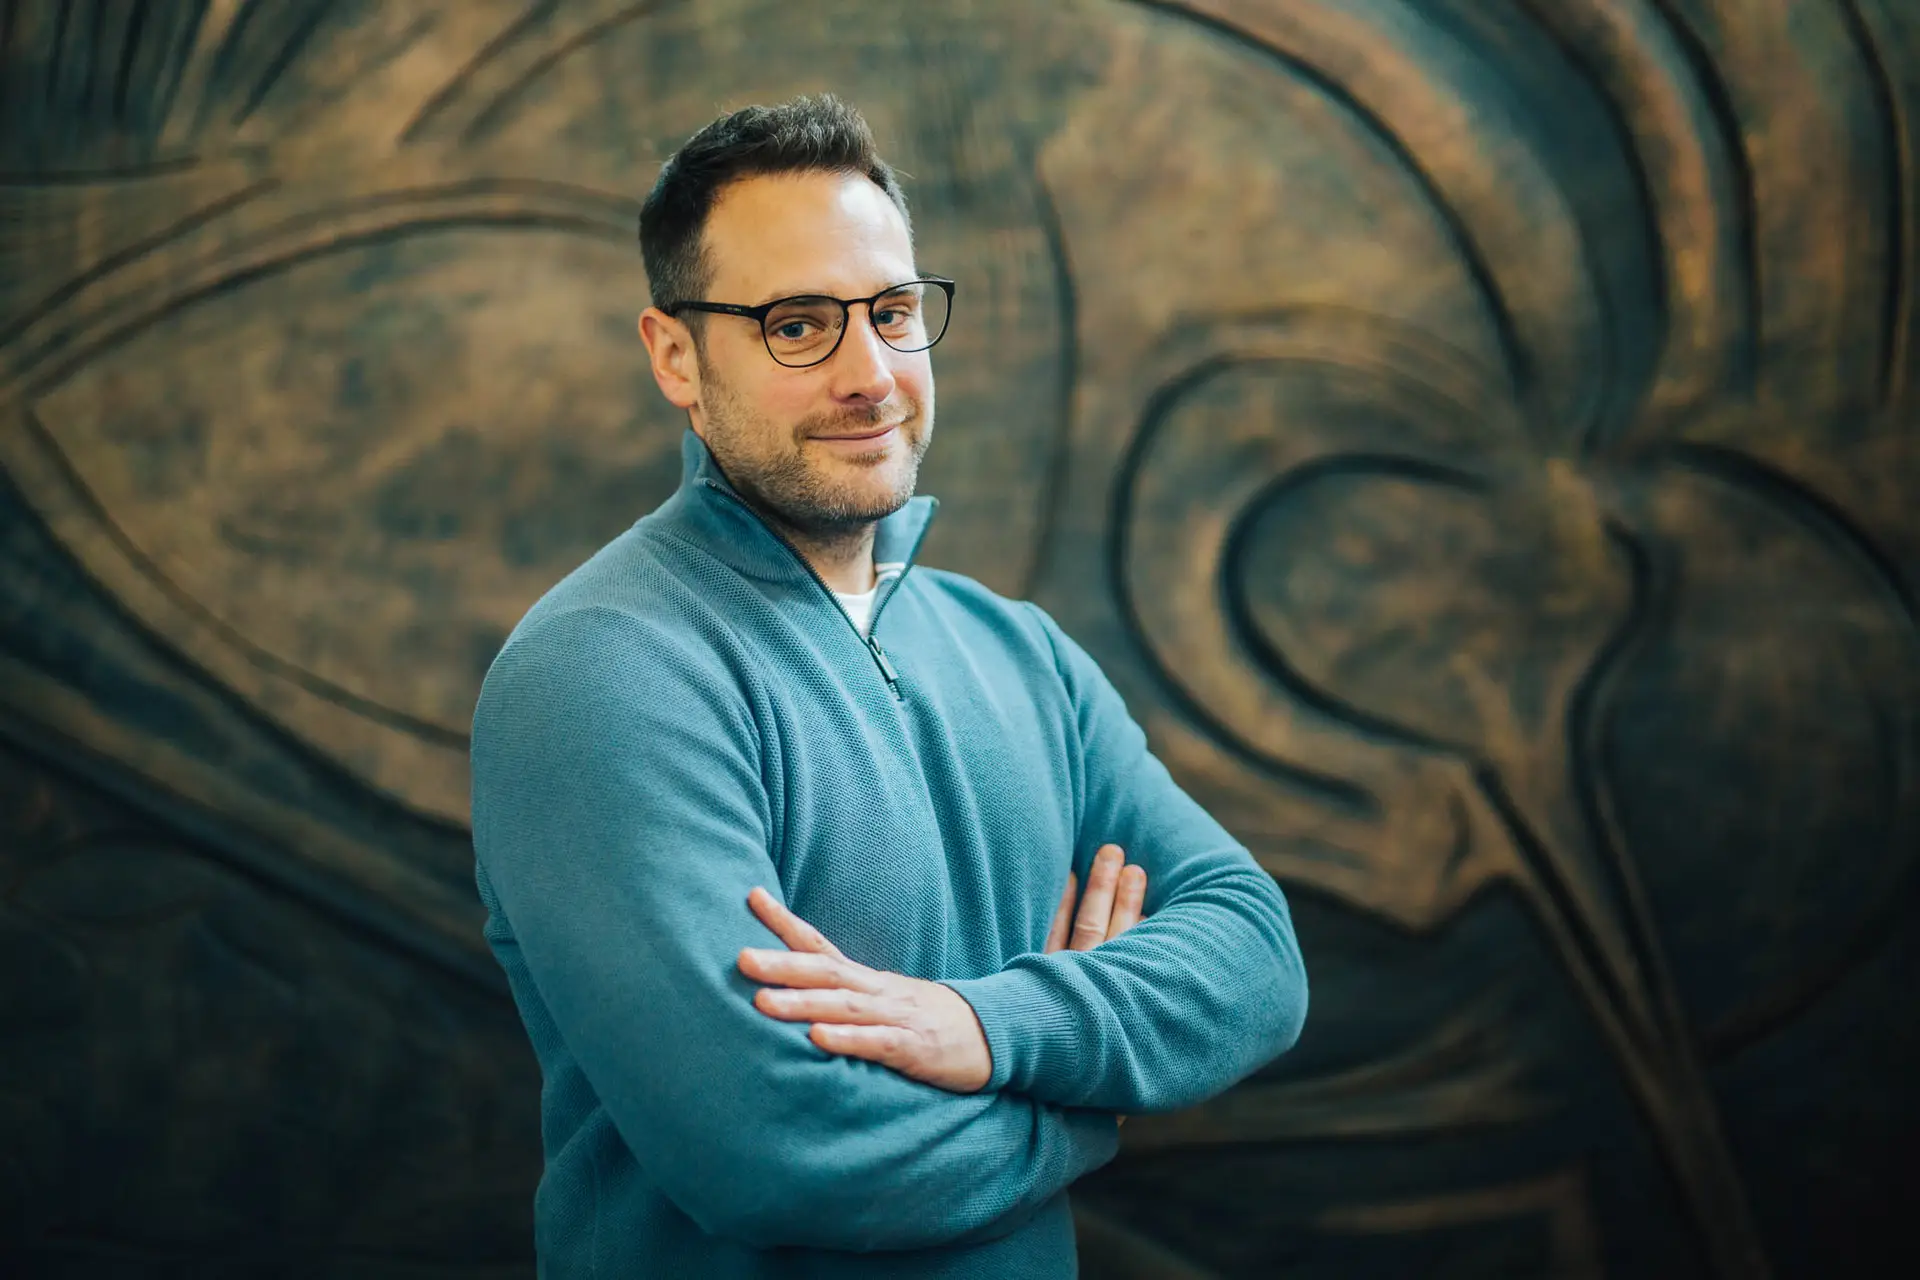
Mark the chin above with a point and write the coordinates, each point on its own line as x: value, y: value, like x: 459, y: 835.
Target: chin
x: 878, y: 500
x: 876, y: 494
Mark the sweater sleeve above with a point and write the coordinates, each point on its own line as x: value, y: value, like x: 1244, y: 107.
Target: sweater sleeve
x: 1205, y: 990
x: 620, y: 819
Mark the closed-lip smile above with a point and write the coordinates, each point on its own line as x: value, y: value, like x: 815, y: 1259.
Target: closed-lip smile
x: 874, y: 434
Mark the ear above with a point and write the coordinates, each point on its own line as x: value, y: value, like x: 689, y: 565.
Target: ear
x: 676, y: 365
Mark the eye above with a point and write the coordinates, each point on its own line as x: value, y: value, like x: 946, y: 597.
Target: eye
x: 896, y: 312
x: 800, y: 323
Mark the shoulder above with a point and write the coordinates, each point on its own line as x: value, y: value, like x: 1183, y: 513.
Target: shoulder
x: 626, y: 629
x: 955, y: 593
x: 1031, y: 623
x: 1045, y: 642
x: 638, y: 574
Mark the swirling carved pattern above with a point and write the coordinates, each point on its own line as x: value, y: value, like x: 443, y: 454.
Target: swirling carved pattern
x: 1477, y: 437
x: 1352, y: 645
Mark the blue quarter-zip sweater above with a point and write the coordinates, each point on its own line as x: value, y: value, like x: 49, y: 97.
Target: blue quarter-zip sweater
x: 690, y: 714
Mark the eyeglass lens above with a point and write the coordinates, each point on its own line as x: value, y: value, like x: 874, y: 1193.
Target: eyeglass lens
x: 805, y: 330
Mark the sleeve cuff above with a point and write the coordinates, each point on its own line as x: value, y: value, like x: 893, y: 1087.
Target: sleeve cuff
x: 1032, y: 1034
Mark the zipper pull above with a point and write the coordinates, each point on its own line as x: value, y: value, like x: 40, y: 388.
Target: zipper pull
x: 886, y: 667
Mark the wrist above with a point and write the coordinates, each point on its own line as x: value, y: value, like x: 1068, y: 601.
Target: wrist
x: 1032, y: 1035
x: 965, y: 1040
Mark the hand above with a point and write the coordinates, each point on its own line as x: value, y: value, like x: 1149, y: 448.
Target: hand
x: 921, y: 1029
x: 1116, y: 893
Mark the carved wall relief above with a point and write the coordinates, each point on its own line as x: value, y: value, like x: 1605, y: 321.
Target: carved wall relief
x: 1477, y: 435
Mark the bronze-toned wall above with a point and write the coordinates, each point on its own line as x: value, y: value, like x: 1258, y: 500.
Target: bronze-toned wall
x: 1478, y: 436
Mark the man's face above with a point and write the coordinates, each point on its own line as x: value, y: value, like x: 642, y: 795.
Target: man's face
x: 837, y: 444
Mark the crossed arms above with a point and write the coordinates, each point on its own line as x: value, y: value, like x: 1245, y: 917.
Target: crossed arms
x: 623, y: 873
x: 925, y: 1030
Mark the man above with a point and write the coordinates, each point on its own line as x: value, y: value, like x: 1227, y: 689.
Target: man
x: 750, y: 721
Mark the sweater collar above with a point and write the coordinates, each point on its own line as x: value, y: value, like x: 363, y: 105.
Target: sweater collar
x: 708, y: 511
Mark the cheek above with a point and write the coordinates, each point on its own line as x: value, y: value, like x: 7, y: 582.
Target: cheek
x: 915, y: 383
x: 760, y: 412
x: 786, y: 404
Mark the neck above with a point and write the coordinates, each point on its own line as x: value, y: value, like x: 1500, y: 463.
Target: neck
x: 843, y: 557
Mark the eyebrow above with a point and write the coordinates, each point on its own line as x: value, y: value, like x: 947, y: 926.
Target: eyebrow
x: 827, y: 293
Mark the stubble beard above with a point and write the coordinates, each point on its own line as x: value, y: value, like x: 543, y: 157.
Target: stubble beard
x: 789, y: 489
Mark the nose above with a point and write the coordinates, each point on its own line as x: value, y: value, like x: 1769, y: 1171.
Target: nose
x: 862, y: 369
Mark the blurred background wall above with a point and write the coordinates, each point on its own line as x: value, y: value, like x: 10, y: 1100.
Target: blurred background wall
x: 1478, y: 436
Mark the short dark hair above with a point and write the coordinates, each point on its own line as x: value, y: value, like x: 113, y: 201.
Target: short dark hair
x: 809, y: 134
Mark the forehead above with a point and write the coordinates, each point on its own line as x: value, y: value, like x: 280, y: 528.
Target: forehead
x: 774, y: 235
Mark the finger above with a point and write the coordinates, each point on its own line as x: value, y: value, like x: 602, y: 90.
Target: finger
x: 1128, y: 900
x: 807, y: 969
x: 1063, y: 917
x: 888, y: 1046
x: 832, y: 1004
x: 788, y: 927
x: 1096, y: 905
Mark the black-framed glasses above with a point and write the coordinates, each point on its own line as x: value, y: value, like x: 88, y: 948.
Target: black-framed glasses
x: 807, y: 329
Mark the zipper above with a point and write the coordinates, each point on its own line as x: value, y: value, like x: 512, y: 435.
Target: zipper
x: 886, y: 667
x: 879, y: 655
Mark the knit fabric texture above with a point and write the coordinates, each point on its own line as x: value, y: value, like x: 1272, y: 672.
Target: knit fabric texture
x: 690, y: 714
